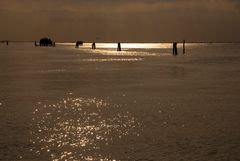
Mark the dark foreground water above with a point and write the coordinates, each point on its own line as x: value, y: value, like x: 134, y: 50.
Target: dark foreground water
x: 140, y: 104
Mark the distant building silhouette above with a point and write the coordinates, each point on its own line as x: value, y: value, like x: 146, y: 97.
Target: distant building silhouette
x: 46, y: 42
x: 79, y: 43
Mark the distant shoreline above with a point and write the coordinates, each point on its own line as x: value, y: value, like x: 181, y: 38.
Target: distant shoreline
x: 216, y: 42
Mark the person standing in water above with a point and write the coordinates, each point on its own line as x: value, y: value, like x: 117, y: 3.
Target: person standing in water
x: 175, y: 52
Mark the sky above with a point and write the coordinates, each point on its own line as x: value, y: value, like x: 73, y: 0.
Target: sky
x: 120, y: 20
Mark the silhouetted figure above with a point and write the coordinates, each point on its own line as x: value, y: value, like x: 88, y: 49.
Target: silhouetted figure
x: 175, y: 52
x: 35, y: 43
x: 94, y: 45
x: 45, y: 42
x: 78, y: 43
x: 6, y: 42
x: 184, y: 46
x: 119, y: 47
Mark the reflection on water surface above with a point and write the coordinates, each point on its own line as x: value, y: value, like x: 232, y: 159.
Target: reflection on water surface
x: 113, y: 60
x: 79, y: 128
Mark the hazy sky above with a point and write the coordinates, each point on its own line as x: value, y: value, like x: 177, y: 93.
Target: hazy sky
x: 120, y: 20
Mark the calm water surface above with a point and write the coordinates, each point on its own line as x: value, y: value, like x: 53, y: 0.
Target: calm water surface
x: 141, y: 103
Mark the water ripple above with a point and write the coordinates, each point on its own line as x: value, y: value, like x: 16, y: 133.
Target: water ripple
x: 79, y: 128
x: 114, y: 60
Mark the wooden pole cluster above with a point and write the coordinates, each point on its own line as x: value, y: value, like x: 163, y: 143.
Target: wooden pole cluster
x: 175, y: 50
x: 80, y: 43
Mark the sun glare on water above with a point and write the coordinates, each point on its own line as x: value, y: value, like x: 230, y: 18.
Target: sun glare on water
x: 78, y: 128
x: 134, y: 45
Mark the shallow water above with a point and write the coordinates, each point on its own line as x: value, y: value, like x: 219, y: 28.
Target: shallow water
x: 141, y: 103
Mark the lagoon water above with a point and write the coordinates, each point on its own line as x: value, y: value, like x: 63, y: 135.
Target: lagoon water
x: 141, y: 104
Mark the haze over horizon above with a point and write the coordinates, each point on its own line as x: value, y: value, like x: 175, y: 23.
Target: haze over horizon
x: 121, y: 20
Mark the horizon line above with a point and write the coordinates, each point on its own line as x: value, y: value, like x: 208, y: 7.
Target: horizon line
x: 31, y: 41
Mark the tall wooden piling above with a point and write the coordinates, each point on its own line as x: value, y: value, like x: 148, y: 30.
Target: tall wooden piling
x: 93, y: 45
x: 184, y: 46
x: 119, y: 47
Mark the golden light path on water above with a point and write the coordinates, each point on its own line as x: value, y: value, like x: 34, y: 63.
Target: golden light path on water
x: 135, y: 45
x: 78, y: 128
x: 130, y: 46
x: 133, y: 50
x: 114, y: 60
x: 125, y: 45
x: 124, y: 53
